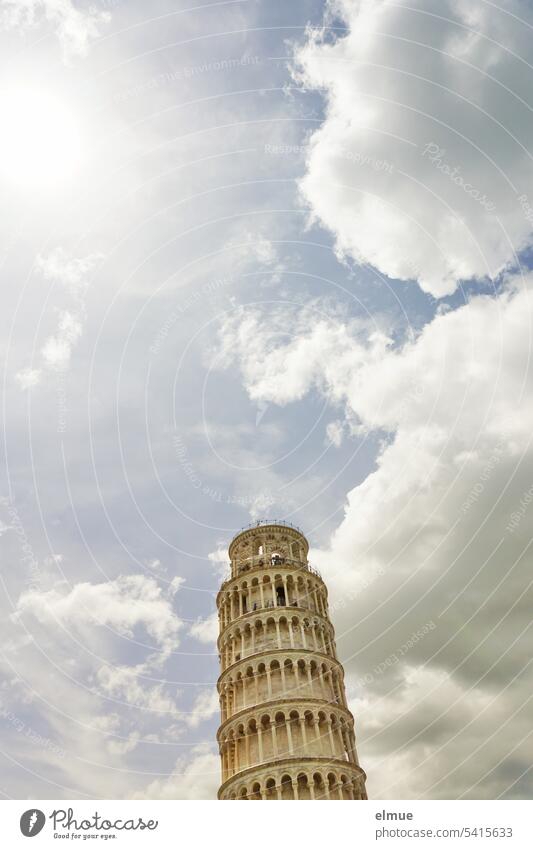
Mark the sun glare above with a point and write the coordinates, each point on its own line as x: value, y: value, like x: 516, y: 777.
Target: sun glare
x: 39, y: 139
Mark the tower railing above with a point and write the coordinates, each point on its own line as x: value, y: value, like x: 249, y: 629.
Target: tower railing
x: 264, y: 522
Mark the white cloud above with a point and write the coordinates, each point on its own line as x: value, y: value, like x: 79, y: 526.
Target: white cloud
x: 444, y: 733
x: 206, y: 630
x: 175, y: 584
x: 123, y: 747
x: 67, y: 640
x: 219, y: 559
x: 28, y: 377
x: 57, y: 349
x: 74, y: 27
x: 195, y: 778
x: 72, y: 274
x: 335, y: 433
x: 422, y: 166
x: 261, y: 505
x: 128, y: 602
x: 128, y: 684
x: 320, y: 352
x: 205, y: 707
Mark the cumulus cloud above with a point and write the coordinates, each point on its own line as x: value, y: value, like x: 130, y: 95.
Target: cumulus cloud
x: 128, y: 602
x: 206, y: 630
x: 429, y: 535
x: 28, y: 377
x: 98, y: 709
x: 205, y: 707
x: 74, y: 27
x: 196, y: 777
x: 72, y: 275
x: 70, y: 272
x: 422, y: 166
x: 127, y: 684
x: 450, y: 737
x: 320, y: 352
x: 219, y: 559
x: 335, y: 433
x: 57, y: 349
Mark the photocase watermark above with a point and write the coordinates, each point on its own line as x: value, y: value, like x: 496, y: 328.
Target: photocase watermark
x: 186, y: 73
x: 355, y: 156
x: 479, y: 487
x: 527, y: 209
x: 518, y: 515
x: 28, y: 558
x: 255, y: 501
x: 392, y: 659
x: 65, y: 824
x: 435, y: 155
x: 61, y: 397
x: 364, y: 160
x: 29, y: 733
x: 203, y: 292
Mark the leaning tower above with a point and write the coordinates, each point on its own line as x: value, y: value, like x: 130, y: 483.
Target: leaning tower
x: 286, y: 731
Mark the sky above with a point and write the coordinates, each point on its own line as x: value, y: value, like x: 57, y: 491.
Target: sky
x: 265, y: 261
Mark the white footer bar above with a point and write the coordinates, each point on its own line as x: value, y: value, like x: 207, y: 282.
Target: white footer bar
x: 227, y: 825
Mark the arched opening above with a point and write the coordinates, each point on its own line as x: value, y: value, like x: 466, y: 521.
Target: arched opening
x: 271, y: 634
x: 270, y: 790
x: 300, y: 586
x: 286, y: 787
x: 259, y: 635
x: 253, y: 743
x: 296, y: 733
x: 318, y: 785
x: 332, y: 786
x: 249, y: 686
x: 284, y: 632
x: 267, y: 592
x: 255, y: 600
x: 280, y: 591
x: 275, y: 678
x: 281, y: 734
x: 303, y: 787
x: 290, y: 684
x: 266, y: 738
x: 347, y: 792
x: 262, y: 684
x: 323, y: 733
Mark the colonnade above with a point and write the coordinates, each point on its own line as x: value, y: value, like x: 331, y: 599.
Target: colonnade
x: 298, y: 784
x: 269, y: 590
x: 296, y: 676
x: 265, y: 632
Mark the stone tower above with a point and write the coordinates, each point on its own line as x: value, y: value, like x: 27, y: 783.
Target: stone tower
x: 286, y: 730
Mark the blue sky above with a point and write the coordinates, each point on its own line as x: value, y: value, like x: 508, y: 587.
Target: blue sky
x: 264, y: 260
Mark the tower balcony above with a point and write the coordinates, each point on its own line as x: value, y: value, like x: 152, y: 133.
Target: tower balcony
x: 254, y: 563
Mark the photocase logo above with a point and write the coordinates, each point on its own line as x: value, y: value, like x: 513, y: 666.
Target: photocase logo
x: 32, y: 822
